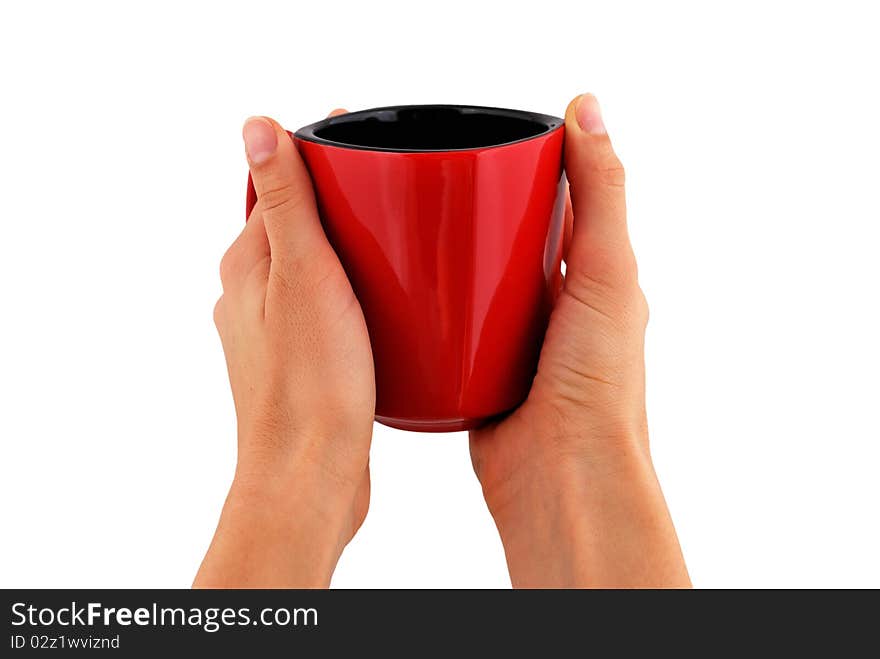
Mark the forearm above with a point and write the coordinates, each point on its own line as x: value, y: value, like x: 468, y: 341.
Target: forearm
x: 589, y: 523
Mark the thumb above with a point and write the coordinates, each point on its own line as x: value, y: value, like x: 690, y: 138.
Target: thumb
x: 600, y: 247
x: 284, y: 191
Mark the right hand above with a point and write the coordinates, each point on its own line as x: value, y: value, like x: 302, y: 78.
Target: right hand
x: 568, y: 476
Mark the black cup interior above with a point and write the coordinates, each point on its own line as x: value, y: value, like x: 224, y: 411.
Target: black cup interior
x: 429, y: 128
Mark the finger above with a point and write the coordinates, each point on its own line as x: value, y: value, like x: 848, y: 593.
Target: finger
x: 567, y: 224
x: 249, y: 249
x: 284, y: 191
x: 600, y: 246
x: 337, y: 112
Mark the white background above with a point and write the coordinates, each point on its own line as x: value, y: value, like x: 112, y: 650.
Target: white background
x: 751, y: 140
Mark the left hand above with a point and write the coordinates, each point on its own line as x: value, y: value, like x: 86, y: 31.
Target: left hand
x: 301, y: 370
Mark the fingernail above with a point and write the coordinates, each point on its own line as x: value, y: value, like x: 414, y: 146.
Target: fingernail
x: 260, y: 140
x: 589, y: 117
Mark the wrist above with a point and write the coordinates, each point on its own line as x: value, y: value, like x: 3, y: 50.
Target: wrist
x: 578, y: 521
x: 281, y: 452
x: 278, y: 529
x: 558, y: 464
x: 559, y: 482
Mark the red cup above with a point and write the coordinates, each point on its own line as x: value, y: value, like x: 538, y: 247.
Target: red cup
x: 448, y: 221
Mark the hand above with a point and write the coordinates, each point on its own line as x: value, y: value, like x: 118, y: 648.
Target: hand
x: 568, y: 476
x: 301, y: 370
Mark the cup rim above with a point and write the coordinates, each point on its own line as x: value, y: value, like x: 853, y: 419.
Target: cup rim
x: 307, y: 133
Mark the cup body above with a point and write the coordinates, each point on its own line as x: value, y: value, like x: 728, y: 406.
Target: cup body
x: 454, y: 253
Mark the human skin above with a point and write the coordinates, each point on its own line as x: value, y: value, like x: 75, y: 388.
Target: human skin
x: 567, y: 477
x: 301, y: 371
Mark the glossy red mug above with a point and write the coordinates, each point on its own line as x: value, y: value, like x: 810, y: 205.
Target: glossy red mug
x: 448, y: 222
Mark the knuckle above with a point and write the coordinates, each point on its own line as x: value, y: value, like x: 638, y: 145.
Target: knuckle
x: 284, y: 197
x: 599, y: 165
x: 612, y: 266
x: 612, y: 295
x: 639, y: 307
x: 228, y: 265
x: 218, y: 312
x: 644, y: 309
x: 611, y: 172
